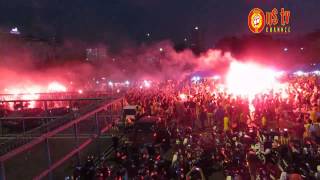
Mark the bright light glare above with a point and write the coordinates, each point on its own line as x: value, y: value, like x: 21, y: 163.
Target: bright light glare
x: 183, y: 97
x: 31, y: 92
x: 280, y: 73
x: 127, y: 82
x: 24, y: 93
x: 221, y: 88
x: 56, y: 87
x: 195, y: 78
x: 299, y: 73
x: 15, y: 31
x: 317, y: 72
x: 216, y: 77
x: 146, y: 83
x: 248, y: 79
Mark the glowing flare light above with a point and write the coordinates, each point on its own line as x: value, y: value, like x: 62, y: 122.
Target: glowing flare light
x: 56, y: 87
x: 24, y: 93
x: 183, y: 97
x: 146, y: 83
x: 31, y: 92
x: 249, y: 79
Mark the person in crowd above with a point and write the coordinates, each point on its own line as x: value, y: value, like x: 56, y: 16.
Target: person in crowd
x: 203, y: 117
x: 226, y: 125
x: 273, y: 135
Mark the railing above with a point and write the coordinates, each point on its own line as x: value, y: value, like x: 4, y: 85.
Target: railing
x: 24, y: 138
x: 92, y: 97
x: 106, y: 153
x: 41, y: 136
x: 52, y: 96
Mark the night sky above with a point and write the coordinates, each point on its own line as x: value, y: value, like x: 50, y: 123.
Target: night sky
x: 114, y: 21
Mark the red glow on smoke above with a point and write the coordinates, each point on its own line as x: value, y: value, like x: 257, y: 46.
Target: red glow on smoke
x: 183, y: 97
x: 56, y: 87
x: 248, y: 79
x: 31, y: 92
x: 80, y: 91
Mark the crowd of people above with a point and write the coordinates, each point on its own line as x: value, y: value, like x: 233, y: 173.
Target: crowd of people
x: 203, y: 129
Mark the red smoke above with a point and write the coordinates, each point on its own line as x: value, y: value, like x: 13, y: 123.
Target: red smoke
x: 157, y: 61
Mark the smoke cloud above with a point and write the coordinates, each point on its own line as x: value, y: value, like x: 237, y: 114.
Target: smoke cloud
x: 161, y: 61
x: 20, y: 67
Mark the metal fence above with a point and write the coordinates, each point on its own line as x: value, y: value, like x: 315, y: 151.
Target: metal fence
x: 53, y: 149
x: 59, y: 95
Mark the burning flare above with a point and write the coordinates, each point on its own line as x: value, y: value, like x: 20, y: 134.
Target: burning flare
x: 247, y: 79
x: 56, y: 87
x: 31, y: 92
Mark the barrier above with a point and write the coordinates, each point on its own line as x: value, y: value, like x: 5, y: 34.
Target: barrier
x: 43, y: 156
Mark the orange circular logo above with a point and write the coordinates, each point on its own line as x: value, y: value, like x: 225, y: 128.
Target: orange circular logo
x: 256, y: 20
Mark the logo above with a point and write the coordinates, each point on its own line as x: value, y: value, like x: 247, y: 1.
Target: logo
x: 271, y: 22
x: 256, y: 20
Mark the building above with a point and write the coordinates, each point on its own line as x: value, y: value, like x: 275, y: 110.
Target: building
x: 196, y: 40
x: 15, y: 45
x: 96, y: 54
